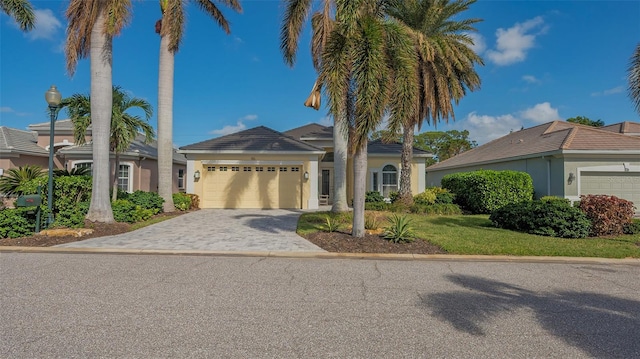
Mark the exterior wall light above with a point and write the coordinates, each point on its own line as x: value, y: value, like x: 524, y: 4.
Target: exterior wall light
x: 196, y: 175
x: 571, y: 178
x: 306, y: 175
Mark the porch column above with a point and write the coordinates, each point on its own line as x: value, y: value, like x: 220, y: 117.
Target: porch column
x: 313, y: 183
x: 189, y: 175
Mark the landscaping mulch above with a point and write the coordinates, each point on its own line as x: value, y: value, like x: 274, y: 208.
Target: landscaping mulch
x: 372, y: 243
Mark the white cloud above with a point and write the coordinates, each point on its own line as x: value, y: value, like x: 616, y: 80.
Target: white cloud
x: 239, y: 126
x: 249, y: 118
x: 6, y: 109
x: 541, y: 113
x: 531, y: 79
x: 479, y: 45
x: 513, y: 43
x: 611, y: 91
x: 46, y: 27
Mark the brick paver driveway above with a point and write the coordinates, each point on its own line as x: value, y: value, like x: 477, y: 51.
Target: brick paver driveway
x: 214, y: 229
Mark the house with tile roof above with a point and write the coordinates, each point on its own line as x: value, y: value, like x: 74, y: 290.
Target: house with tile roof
x: 264, y: 168
x: 138, y: 169
x: 564, y: 159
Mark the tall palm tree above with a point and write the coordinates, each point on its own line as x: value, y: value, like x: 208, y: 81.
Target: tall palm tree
x: 21, y: 11
x: 445, y: 66
x: 634, y: 78
x: 125, y: 127
x: 170, y: 28
x: 92, y: 25
x: 322, y: 23
x: 369, y: 61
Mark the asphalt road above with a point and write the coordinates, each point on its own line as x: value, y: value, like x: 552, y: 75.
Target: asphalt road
x: 145, y: 306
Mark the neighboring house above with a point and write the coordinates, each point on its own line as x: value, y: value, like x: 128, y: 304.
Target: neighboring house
x: 564, y: 159
x: 138, y: 168
x: 264, y: 168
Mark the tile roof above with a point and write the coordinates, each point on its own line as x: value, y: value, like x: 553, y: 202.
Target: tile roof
x: 379, y: 147
x: 550, y: 137
x: 13, y: 140
x: 626, y: 127
x: 257, y: 139
x: 60, y: 125
x: 304, y: 131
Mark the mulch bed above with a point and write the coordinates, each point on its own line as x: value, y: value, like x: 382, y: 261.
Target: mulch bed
x: 371, y: 243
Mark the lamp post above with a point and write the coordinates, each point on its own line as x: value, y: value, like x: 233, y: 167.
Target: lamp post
x: 53, y: 98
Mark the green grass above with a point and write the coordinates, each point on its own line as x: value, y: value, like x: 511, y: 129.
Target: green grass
x: 475, y: 235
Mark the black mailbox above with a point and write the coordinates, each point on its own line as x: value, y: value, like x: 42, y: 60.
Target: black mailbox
x: 29, y: 200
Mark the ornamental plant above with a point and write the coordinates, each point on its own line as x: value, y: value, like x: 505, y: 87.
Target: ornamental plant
x: 608, y: 214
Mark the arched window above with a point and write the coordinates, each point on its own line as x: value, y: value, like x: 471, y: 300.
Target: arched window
x: 389, y: 180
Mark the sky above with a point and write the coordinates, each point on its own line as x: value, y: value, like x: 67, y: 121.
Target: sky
x: 544, y: 61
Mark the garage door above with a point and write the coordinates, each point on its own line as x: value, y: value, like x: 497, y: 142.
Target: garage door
x: 238, y: 186
x: 620, y: 184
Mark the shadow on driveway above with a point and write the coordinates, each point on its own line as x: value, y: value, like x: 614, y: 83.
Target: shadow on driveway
x: 270, y: 223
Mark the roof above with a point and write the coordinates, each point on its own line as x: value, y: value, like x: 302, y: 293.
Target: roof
x: 13, y: 140
x: 626, y: 127
x: 556, y: 136
x: 308, y: 130
x: 380, y: 148
x: 137, y: 148
x: 60, y: 125
x: 257, y: 139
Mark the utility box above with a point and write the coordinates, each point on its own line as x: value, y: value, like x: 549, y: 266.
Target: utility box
x: 29, y: 200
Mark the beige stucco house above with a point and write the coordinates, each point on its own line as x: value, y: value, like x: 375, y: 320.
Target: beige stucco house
x: 564, y: 159
x: 138, y: 169
x: 264, y: 168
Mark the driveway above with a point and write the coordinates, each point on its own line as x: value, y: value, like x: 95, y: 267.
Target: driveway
x: 214, y: 229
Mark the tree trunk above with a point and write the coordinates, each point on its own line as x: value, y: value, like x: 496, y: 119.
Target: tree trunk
x: 340, y: 134
x: 101, y: 95
x: 165, y: 125
x: 359, y: 184
x: 405, y: 174
x: 116, y: 169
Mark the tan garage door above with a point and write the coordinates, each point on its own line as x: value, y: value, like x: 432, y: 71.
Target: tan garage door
x: 620, y: 184
x: 238, y: 186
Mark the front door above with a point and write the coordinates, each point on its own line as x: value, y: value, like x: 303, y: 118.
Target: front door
x: 326, y: 178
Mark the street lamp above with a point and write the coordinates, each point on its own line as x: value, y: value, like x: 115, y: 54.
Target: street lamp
x: 53, y: 98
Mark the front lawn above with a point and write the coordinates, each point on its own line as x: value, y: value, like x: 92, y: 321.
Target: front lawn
x: 474, y: 234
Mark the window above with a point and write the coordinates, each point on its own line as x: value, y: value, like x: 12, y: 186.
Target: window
x: 223, y: 169
x: 181, y: 179
x: 374, y: 182
x: 295, y: 169
x: 283, y: 169
x: 389, y: 180
x: 271, y: 169
x: 211, y: 168
x: 88, y: 165
x: 246, y: 169
x: 259, y: 169
x: 123, y: 178
x: 235, y: 168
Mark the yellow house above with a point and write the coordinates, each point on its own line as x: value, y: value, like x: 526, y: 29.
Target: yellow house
x: 264, y: 168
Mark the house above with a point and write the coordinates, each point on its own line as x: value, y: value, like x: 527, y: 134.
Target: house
x: 564, y: 159
x: 138, y: 168
x: 264, y: 168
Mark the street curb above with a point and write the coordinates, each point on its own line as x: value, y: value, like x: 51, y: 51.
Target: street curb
x: 327, y: 255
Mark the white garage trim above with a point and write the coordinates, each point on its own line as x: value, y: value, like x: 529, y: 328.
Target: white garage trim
x: 189, y: 174
x: 254, y: 162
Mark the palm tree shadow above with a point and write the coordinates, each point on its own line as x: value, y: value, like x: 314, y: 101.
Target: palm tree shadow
x: 601, y: 325
x: 273, y: 224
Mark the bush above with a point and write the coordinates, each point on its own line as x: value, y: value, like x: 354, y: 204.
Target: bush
x: 16, y: 222
x: 376, y: 206
x: 68, y: 193
x: 399, y: 229
x: 14, y: 178
x: 72, y: 217
x: 546, y: 218
x: 436, y: 209
x: 146, y: 200
x: 181, y: 201
x: 127, y: 211
x: 371, y: 222
x: 394, y: 196
x: 608, y: 214
x: 195, y: 200
x: 425, y: 198
x: 632, y: 228
x: 373, y: 197
x: 484, y: 191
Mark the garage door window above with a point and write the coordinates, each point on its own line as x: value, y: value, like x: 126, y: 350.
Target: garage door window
x: 271, y: 169
x: 246, y: 169
x: 283, y: 169
x: 235, y: 168
x: 295, y: 169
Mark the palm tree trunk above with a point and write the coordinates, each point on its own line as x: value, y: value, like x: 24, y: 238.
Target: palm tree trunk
x: 340, y: 167
x: 101, y: 95
x: 405, y: 174
x: 116, y: 169
x: 359, y: 184
x: 165, y: 124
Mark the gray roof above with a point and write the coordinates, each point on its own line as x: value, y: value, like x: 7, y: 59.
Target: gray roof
x: 13, y: 140
x: 307, y: 130
x: 257, y: 139
x: 60, y: 126
x: 380, y: 148
x: 137, y: 148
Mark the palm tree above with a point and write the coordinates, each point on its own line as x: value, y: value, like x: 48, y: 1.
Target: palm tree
x: 634, y: 78
x: 322, y: 23
x: 92, y: 25
x: 367, y: 71
x: 11, y: 181
x: 445, y: 66
x: 21, y: 11
x: 170, y: 27
x: 124, y: 126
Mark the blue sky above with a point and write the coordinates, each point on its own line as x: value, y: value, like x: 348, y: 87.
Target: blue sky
x: 544, y: 60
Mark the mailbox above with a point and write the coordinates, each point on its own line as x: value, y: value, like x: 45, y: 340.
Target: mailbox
x: 29, y: 200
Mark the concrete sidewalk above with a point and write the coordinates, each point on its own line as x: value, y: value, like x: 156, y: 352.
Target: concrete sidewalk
x: 245, y: 230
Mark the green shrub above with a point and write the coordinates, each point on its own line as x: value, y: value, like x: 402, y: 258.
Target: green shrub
x: 331, y: 222
x: 484, y: 191
x: 399, y: 207
x: 373, y: 197
x: 425, y: 198
x: 127, y: 211
x: 68, y: 193
x: 14, y: 178
x: 546, y: 218
x: 376, y: 206
x: 146, y: 200
x: 394, y: 196
x: 608, y: 214
x: 371, y: 221
x: 399, y: 229
x: 195, y: 200
x: 436, y: 209
x: 181, y: 201
x: 632, y: 228
x: 16, y: 222
x: 72, y: 217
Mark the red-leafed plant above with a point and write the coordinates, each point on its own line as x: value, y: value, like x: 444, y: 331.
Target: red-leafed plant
x: 609, y: 215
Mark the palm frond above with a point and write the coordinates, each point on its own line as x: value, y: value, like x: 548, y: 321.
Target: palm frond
x: 21, y: 11
x: 295, y: 14
x: 634, y: 78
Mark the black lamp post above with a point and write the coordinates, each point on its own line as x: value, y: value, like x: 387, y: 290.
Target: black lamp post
x: 53, y: 98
